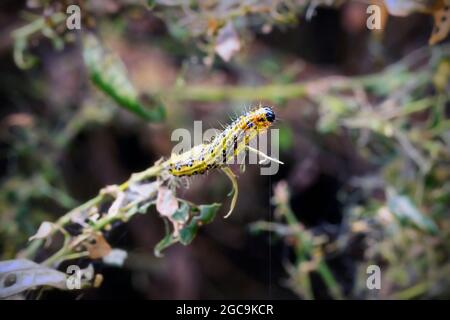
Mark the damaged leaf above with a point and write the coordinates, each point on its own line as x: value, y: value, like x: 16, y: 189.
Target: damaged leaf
x: 207, y: 212
x: 45, y: 229
x: 143, y: 191
x: 206, y: 215
x: 166, y: 242
x: 21, y: 274
x: 202, y: 215
x: 166, y: 202
x: 182, y: 214
x: 116, y: 257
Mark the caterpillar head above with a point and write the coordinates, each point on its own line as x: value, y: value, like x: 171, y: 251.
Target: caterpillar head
x: 262, y: 117
x: 270, y: 115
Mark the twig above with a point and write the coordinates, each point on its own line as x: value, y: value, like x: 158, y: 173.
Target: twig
x: 31, y: 250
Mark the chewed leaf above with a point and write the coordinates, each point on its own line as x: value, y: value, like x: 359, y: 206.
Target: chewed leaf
x: 144, y: 190
x: 188, y: 233
x: 234, y: 191
x: 207, y: 212
x: 404, y: 210
x: 182, y: 214
x: 109, y: 74
x: 206, y: 215
x: 166, y: 202
x: 166, y: 242
x: 21, y: 274
x: 44, y: 231
x: 199, y: 216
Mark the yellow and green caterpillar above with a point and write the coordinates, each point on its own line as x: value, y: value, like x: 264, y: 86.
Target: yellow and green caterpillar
x: 229, y: 143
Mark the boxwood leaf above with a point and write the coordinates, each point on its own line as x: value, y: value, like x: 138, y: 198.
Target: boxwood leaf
x: 109, y: 74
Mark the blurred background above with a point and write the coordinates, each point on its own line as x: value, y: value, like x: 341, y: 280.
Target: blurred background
x: 364, y: 136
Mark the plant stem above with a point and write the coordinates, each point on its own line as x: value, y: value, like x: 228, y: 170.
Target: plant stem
x: 38, y: 25
x: 34, y: 246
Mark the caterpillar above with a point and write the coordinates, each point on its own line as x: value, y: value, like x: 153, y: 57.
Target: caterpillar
x: 233, y: 140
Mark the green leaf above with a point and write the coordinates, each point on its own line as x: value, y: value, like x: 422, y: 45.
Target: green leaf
x: 157, y: 111
x: 166, y: 242
x: 404, y: 210
x: 178, y: 32
x: 109, y: 74
x: 23, y: 59
x: 206, y: 215
x: 384, y: 84
x: 188, y: 233
x: 182, y: 214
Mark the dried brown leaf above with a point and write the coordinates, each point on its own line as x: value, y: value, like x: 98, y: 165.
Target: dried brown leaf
x: 97, y: 246
x: 166, y: 202
x: 45, y: 229
x: 21, y: 274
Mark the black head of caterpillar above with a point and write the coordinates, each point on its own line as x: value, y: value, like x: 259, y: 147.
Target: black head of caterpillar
x: 229, y: 143
x: 270, y: 115
x: 262, y: 117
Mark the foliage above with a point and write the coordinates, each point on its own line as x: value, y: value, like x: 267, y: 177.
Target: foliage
x: 397, y: 119
x: 406, y: 230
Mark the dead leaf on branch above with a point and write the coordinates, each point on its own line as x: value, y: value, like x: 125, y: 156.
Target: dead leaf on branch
x: 81, y: 216
x: 228, y: 43
x: 117, y: 204
x: 143, y: 191
x: 166, y: 202
x: 45, y: 229
x: 167, y: 205
x: 19, y: 275
x: 97, y: 246
x: 116, y: 257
